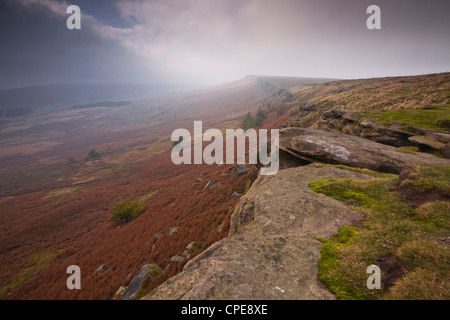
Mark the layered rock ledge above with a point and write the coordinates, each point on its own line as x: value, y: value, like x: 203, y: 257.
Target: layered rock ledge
x: 339, y: 148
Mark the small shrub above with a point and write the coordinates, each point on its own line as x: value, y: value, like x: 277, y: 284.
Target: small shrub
x: 126, y: 211
x: 93, y: 154
x: 248, y: 122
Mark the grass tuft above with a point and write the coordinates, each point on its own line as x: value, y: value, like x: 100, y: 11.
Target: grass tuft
x: 432, y: 117
x: 391, y: 228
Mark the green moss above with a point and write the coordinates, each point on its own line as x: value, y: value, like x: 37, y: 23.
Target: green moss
x: 197, y: 248
x: 330, y: 252
x: 323, y: 240
x: 153, y: 268
x: 346, y: 235
x: 247, y: 186
x: 433, y: 117
x: 409, y: 150
x: 156, y: 275
x: 360, y: 193
x: 422, y: 185
x: 365, y: 171
x: 390, y: 228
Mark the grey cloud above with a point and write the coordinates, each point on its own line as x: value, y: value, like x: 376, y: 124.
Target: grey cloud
x: 215, y: 41
x: 227, y: 39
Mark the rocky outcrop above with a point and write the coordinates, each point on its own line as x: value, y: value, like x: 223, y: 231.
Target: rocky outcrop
x: 423, y: 140
x: 272, y: 251
x: 209, y: 185
x: 354, y: 123
x: 439, y: 141
x: 136, y: 284
x: 176, y: 259
x: 338, y: 148
x: 173, y: 230
x: 240, y: 169
x: 100, y: 270
x: 337, y: 118
x: 347, y: 121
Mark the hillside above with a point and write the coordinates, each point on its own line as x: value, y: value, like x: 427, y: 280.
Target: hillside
x: 379, y: 94
x: 367, y: 183
x: 64, y: 169
x: 410, y: 112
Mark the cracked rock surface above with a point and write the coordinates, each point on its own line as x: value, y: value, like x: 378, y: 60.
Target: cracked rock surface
x: 272, y: 251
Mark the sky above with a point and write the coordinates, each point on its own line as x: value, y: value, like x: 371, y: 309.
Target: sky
x: 214, y: 41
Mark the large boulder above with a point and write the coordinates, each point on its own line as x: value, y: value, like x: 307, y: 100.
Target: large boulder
x: 272, y: 251
x: 338, y: 148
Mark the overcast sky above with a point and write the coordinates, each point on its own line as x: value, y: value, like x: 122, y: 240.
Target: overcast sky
x: 212, y: 41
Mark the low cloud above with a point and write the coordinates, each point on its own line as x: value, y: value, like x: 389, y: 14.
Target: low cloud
x: 214, y: 41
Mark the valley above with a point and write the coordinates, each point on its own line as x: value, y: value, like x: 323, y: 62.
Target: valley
x: 56, y: 200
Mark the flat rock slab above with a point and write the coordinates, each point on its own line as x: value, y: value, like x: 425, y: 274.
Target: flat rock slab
x: 424, y: 140
x: 272, y: 251
x: 339, y: 148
